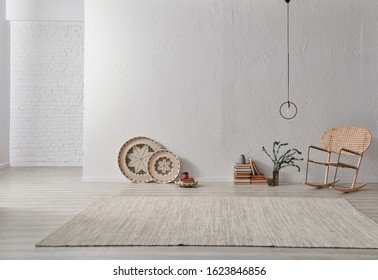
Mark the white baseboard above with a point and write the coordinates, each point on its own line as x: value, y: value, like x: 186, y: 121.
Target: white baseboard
x: 45, y: 164
x: 215, y: 179
x: 104, y: 180
x: 349, y: 179
x: 125, y: 180
x: 207, y: 180
x: 4, y: 165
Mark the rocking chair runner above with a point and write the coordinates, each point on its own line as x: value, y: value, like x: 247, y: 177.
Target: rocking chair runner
x: 342, y: 141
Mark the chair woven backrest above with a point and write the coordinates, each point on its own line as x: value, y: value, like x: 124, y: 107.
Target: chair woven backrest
x: 353, y: 138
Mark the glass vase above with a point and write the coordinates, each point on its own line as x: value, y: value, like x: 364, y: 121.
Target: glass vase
x: 276, y: 178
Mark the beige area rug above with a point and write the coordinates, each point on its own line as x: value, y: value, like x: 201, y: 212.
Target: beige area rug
x: 217, y: 221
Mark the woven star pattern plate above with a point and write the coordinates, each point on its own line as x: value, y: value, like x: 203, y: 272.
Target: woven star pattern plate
x: 133, y: 158
x: 164, y: 166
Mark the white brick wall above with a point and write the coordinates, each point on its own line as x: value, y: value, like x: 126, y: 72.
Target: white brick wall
x: 46, y: 93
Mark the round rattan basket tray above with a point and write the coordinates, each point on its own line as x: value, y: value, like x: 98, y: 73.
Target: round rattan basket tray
x: 133, y: 158
x: 163, y: 166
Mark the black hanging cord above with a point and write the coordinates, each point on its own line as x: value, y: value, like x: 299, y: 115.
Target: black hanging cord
x: 288, y: 102
x: 288, y: 55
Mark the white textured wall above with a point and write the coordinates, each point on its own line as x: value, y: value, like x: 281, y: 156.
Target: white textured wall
x: 206, y: 79
x: 4, y: 88
x: 46, y: 93
x: 51, y: 10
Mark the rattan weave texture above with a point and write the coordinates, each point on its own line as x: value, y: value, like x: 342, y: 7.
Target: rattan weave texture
x: 353, y: 138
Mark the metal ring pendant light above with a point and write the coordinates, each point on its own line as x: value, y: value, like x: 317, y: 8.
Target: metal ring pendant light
x: 288, y: 109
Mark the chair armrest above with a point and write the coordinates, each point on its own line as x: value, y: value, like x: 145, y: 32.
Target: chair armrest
x: 318, y: 148
x: 350, y: 151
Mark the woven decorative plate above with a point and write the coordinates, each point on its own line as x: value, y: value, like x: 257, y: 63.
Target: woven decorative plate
x: 186, y: 184
x: 133, y: 158
x: 164, y: 166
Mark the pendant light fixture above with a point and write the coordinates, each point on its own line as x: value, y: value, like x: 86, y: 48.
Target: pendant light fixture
x: 288, y: 110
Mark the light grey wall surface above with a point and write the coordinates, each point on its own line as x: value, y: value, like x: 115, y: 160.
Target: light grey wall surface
x: 4, y: 87
x: 45, y: 10
x: 206, y: 79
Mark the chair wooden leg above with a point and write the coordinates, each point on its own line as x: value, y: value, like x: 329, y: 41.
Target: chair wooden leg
x: 327, y: 170
x: 337, y: 169
x: 356, y: 174
x: 308, y: 158
x: 354, y: 179
x: 326, y: 184
x: 353, y: 187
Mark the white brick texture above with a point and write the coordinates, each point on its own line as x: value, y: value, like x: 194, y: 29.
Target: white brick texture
x: 46, y: 123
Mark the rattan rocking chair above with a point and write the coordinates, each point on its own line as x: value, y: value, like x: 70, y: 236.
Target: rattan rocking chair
x: 342, y: 141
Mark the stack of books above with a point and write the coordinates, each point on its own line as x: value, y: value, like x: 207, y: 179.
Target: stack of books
x: 259, y: 180
x: 257, y: 177
x: 242, y: 173
x: 248, y: 173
